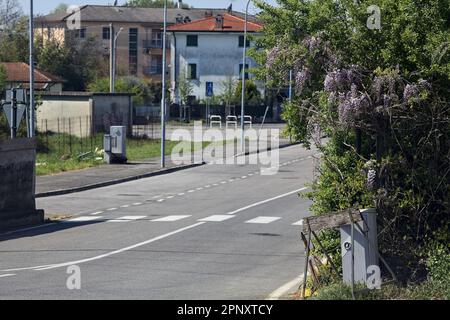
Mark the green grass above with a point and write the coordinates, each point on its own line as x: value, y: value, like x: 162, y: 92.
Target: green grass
x: 60, y: 152
x: 427, y: 290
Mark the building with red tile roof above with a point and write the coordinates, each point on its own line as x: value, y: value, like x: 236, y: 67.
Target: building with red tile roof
x: 18, y: 75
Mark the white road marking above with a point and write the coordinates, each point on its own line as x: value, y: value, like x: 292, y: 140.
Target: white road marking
x: 111, y: 209
x: 128, y: 219
x: 286, y: 288
x: 96, y: 213
x: 191, y: 191
x: 244, y: 177
x: 170, y: 197
x: 181, y: 194
x: 84, y: 219
x: 250, y: 174
x: 171, y: 218
x: 263, y: 220
x: 208, y: 186
x: 161, y: 200
x: 231, y: 180
x: 266, y: 201
x: 125, y: 206
x: 216, y: 218
x: 198, y: 189
x: 298, y: 223
x: 7, y: 275
x: 223, y: 182
x: 215, y: 184
x: 71, y: 263
x: 137, y: 204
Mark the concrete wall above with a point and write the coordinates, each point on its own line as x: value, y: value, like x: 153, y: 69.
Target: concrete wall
x: 217, y: 56
x: 88, y: 113
x: 17, y: 190
x: 54, y: 114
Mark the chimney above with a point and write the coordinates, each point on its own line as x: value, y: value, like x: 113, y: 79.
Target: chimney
x: 208, y: 14
x: 179, y: 19
x: 230, y: 9
x: 219, y: 21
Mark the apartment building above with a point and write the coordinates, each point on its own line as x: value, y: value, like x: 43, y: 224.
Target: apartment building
x: 140, y: 41
x: 209, y: 52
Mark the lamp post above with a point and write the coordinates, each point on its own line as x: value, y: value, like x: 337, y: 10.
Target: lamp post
x: 31, y: 132
x: 244, y: 59
x: 114, y: 61
x: 163, y: 99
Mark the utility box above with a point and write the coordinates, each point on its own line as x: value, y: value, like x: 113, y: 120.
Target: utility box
x: 365, y: 254
x: 115, y: 145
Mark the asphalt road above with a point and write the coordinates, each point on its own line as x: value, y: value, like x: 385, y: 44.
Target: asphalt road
x: 211, y: 232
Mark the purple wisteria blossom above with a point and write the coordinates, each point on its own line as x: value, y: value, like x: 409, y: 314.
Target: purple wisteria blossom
x: 301, y: 79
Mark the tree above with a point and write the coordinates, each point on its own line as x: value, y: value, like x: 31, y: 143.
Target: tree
x: 61, y: 8
x: 252, y: 94
x: 380, y: 95
x: 10, y: 14
x: 2, y: 80
x: 185, y: 88
x: 78, y: 63
x: 229, y: 91
x: 152, y: 4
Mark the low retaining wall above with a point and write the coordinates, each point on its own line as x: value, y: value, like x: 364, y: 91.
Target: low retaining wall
x: 17, y: 184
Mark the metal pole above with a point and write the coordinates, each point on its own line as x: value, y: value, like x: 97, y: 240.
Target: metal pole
x: 243, y: 80
x: 163, y: 99
x: 31, y: 132
x: 111, y: 58
x: 114, y: 66
x: 13, y: 114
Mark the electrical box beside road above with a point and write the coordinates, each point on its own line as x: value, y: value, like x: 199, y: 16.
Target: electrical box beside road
x: 365, y: 248
x: 115, y: 145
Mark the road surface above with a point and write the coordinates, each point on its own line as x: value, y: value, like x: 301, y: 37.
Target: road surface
x: 211, y: 232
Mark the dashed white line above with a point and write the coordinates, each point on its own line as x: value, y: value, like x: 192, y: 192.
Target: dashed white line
x: 216, y: 218
x: 125, y: 206
x: 170, y: 197
x: 171, y: 218
x: 223, y: 182
x: 128, y: 219
x: 96, y: 213
x: 263, y: 220
x: 198, y: 189
x: 191, y: 191
x: 181, y: 194
x: 161, y: 200
x: 7, y: 275
x: 111, y: 209
x: 298, y: 223
x: 137, y: 204
x: 84, y: 219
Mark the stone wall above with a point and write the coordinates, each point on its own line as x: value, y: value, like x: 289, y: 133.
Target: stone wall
x: 17, y: 184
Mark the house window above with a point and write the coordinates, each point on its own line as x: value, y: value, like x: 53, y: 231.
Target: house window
x: 106, y: 33
x: 240, y: 71
x: 133, y: 50
x: 241, y: 42
x: 192, y: 71
x: 81, y: 33
x: 157, y: 39
x: 156, y: 65
x: 192, y: 41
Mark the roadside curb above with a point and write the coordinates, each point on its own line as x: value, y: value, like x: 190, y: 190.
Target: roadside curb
x: 268, y: 149
x: 117, y: 181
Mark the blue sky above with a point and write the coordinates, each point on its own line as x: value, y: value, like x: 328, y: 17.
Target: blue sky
x: 43, y: 7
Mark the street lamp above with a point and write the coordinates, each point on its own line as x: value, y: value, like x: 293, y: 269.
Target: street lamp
x: 31, y: 107
x: 244, y: 59
x: 163, y: 99
x: 114, y: 61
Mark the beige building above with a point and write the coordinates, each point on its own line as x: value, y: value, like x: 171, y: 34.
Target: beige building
x: 139, y: 44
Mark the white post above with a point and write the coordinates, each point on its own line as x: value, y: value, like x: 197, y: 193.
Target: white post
x: 111, y: 58
x: 31, y: 132
x: 244, y: 59
x: 163, y: 100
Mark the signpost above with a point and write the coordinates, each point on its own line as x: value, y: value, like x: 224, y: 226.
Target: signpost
x: 209, y: 94
x: 14, y: 108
